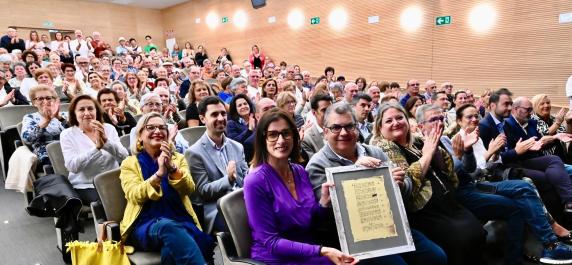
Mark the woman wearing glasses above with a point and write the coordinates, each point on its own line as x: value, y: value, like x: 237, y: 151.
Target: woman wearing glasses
x: 89, y: 147
x: 286, y: 101
x: 156, y: 181
x: 432, y: 208
x: 45, y: 126
x: 280, y: 201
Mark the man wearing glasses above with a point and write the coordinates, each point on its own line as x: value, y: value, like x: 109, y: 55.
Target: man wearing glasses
x: 83, y: 65
x: 8, y: 95
x: 430, y: 87
x: 343, y: 149
x: 412, y: 91
x: 524, y: 145
x: 217, y: 162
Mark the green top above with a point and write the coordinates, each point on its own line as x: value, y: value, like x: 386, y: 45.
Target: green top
x: 148, y: 48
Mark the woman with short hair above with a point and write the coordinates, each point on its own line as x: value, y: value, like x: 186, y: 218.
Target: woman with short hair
x: 286, y: 101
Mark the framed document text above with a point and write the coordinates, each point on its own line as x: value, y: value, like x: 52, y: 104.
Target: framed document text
x: 369, y: 211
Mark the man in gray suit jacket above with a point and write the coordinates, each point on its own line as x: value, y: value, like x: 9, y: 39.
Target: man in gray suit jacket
x: 343, y: 149
x: 314, y: 138
x: 217, y: 163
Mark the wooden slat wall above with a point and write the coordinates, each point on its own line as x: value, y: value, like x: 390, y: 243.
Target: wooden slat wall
x: 112, y: 21
x: 527, y: 51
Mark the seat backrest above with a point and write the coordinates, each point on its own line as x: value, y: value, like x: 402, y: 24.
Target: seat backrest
x: 65, y: 107
x: 108, y: 186
x: 57, y: 158
x: 234, y: 212
x: 125, y: 141
x: 193, y: 134
x: 12, y: 115
x: 183, y: 114
x: 137, y: 117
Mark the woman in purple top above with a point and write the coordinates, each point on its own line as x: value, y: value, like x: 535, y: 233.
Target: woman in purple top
x: 280, y: 201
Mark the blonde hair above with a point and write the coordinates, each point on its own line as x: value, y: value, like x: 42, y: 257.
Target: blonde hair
x: 41, y: 71
x: 34, y: 90
x: 135, y: 147
x: 283, y: 97
x: 537, y: 100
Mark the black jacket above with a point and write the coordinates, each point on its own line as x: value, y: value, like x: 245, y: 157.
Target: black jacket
x: 19, y: 99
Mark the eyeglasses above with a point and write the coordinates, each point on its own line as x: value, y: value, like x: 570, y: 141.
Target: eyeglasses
x: 297, y: 79
x: 272, y: 136
x: 470, y: 117
x: 336, y: 128
x: 290, y: 102
x: 40, y: 99
x: 435, y: 119
x: 152, y: 128
x: 530, y: 109
x: 416, y: 84
x: 154, y: 104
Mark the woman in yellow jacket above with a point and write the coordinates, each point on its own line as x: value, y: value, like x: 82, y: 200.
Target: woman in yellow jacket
x: 157, y: 182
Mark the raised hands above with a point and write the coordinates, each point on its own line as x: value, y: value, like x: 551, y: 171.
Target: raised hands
x: 231, y: 170
x: 497, y: 143
x: 164, y: 159
x: 523, y: 146
x: 9, y: 97
x: 431, y: 141
x: 471, y: 139
x: 173, y: 131
x: 564, y: 137
x: 251, y: 122
x: 100, y: 132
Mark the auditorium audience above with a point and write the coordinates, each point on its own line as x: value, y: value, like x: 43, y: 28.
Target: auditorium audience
x: 217, y: 162
x: 159, y: 215
x: 89, y: 146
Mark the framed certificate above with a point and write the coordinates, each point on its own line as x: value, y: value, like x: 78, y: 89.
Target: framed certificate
x: 369, y: 212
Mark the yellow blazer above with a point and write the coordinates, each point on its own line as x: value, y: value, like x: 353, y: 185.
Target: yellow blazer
x: 138, y: 191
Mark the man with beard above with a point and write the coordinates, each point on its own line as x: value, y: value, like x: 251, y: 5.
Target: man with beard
x: 522, y: 147
x: 217, y: 162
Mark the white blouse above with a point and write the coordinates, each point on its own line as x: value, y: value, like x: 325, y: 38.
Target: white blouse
x: 84, y: 161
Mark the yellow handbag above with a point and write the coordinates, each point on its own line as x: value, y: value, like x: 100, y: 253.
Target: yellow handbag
x: 102, y: 252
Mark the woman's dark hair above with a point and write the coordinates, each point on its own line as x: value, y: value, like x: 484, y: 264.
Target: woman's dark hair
x: 394, y: 84
x: 34, y: 32
x: 409, y: 105
x: 67, y: 65
x: 185, y: 46
x: 73, y: 119
x: 264, y: 94
x: 320, y: 79
x: 206, y: 101
x: 107, y: 91
x: 28, y: 52
x: 329, y: 69
x: 28, y: 64
x: 364, y: 82
x: 460, y: 109
x: 233, y: 111
x: 260, y: 151
x: 61, y: 36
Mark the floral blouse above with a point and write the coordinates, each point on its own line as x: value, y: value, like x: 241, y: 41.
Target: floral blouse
x: 543, y: 127
x: 39, y: 138
x: 422, y: 191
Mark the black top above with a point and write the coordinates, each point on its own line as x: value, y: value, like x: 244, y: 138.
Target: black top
x: 193, y: 113
x: 6, y: 42
x: 122, y: 128
x: 19, y: 99
x: 200, y: 57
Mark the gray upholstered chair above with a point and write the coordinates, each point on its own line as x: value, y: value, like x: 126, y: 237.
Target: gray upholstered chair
x: 235, y: 244
x: 125, y: 140
x: 193, y: 134
x: 108, y: 186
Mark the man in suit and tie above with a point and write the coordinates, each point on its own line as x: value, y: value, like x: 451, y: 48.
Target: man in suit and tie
x: 217, y: 162
x: 523, y: 144
x: 314, y: 138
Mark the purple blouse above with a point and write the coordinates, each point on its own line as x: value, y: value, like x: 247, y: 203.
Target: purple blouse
x: 281, y: 225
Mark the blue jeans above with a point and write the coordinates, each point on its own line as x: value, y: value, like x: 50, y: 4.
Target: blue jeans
x: 176, y: 244
x: 515, y: 201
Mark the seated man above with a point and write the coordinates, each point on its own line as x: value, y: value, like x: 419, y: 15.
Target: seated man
x: 314, y: 138
x: 170, y: 111
x: 122, y: 120
x: 151, y: 102
x: 217, y: 162
x: 362, y: 105
x: 522, y: 148
x: 342, y: 149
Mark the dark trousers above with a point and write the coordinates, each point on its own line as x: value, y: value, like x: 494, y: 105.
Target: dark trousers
x: 514, y: 201
x: 548, y: 171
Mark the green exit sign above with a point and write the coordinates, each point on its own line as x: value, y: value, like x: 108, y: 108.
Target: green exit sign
x: 315, y: 21
x: 224, y: 19
x: 440, y: 21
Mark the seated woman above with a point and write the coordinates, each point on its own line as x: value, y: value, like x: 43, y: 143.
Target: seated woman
x: 242, y: 123
x: 549, y: 124
x: 45, y: 126
x: 95, y: 84
x: 269, y: 89
x: 513, y: 200
x: 280, y: 201
x: 156, y: 181
x: 410, y: 108
x: 89, y: 146
x: 199, y: 90
x: 71, y: 87
x: 130, y: 105
x: 286, y: 101
x: 432, y: 208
